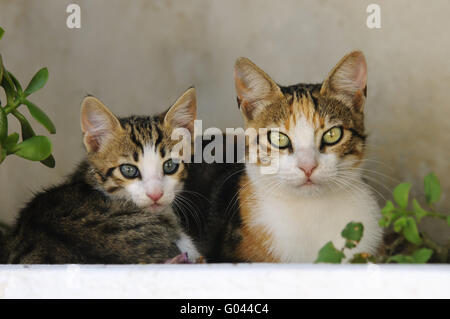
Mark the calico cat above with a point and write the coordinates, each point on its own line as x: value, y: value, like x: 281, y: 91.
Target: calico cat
x: 116, y: 206
x: 317, y: 133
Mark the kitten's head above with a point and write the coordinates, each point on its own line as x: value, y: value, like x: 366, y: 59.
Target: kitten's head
x: 320, y: 137
x: 131, y: 157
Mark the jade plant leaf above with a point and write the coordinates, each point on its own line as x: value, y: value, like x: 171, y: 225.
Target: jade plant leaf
x: 37, y: 82
x: 11, y: 141
x: 3, y: 125
x: 27, y: 130
x: 1, y: 69
x: 40, y: 116
x: 36, y: 148
x: 16, y: 82
x: 49, y: 161
x: 3, y: 154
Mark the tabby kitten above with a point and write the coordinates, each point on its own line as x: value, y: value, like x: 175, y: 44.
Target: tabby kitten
x: 315, y: 136
x: 116, y: 206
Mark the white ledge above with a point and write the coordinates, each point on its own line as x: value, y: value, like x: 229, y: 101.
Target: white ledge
x: 225, y: 281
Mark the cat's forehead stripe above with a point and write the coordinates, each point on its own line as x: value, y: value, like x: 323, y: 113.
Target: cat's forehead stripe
x: 144, y: 130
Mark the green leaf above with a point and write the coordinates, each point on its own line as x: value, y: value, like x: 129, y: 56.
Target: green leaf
x: 27, y: 130
x: 7, y: 83
x: 353, y: 232
x: 3, y: 154
x: 411, y: 232
x: 362, y: 258
x: 401, y: 259
x: 2, y: 32
x: 419, y: 211
x: 37, y: 82
x: 384, y: 222
x: 16, y: 82
x: 350, y: 244
x: 448, y: 220
x: 388, y: 209
x: 36, y: 148
x: 1, y: 69
x: 399, y: 224
x: 3, y: 125
x: 401, y: 194
x: 40, y: 116
x: 422, y: 255
x: 432, y: 188
x: 388, y: 213
x: 49, y: 161
x: 329, y: 254
x: 11, y: 141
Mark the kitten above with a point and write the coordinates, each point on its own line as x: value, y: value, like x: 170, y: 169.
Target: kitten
x: 288, y: 215
x: 116, y: 206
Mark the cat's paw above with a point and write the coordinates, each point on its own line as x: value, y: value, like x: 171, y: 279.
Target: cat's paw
x: 179, y: 259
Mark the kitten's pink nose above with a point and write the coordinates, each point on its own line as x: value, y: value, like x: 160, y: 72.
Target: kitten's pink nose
x: 308, y: 169
x: 155, y: 196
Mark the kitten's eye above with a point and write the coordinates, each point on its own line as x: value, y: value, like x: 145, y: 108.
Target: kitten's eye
x: 170, y: 167
x: 129, y: 171
x: 279, y: 140
x: 332, y: 136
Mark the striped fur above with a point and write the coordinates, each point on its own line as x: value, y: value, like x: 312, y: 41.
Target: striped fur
x: 98, y: 215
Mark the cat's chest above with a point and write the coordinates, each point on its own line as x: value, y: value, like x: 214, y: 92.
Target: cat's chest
x: 298, y: 228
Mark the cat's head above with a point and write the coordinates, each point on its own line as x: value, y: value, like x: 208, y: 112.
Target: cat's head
x: 320, y: 139
x: 132, y: 157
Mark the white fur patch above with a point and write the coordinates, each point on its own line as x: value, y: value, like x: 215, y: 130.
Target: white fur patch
x: 186, y: 245
x: 302, y: 226
x: 303, y: 218
x: 153, y: 180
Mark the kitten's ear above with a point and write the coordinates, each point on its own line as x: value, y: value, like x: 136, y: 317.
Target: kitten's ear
x: 183, y: 112
x: 347, y: 81
x: 254, y: 88
x: 98, y: 124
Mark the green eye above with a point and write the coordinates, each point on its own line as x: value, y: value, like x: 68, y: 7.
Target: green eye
x: 278, y: 139
x: 170, y: 167
x: 129, y: 171
x: 332, y: 136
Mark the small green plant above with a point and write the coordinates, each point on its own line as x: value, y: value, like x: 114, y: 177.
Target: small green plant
x: 403, y: 216
x: 32, y: 147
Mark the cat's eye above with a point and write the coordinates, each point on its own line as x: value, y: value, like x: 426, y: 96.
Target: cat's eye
x: 279, y: 139
x: 129, y: 171
x: 170, y: 167
x: 332, y: 136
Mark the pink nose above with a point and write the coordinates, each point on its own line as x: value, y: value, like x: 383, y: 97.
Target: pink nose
x: 155, y: 196
x: 308, y: 169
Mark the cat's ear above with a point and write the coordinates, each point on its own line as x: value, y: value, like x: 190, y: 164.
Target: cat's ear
x: 98, y: 124
x: 183, y: 112
x: 347, y: 81
x: 254, y: 88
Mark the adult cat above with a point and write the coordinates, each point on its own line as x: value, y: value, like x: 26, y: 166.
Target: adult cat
x: 314, y: 134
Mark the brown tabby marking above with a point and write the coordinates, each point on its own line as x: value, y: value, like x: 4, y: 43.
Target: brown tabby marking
x: 128, y: 147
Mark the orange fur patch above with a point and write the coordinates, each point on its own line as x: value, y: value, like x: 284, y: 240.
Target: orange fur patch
x: 255, y: 239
